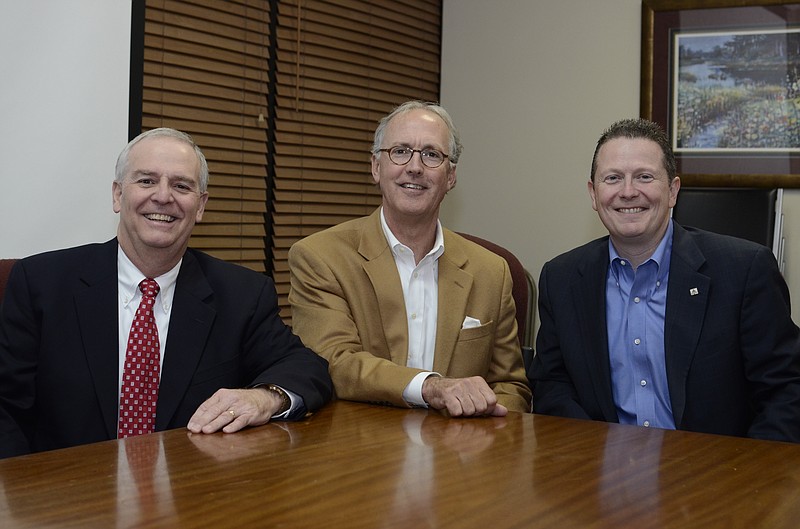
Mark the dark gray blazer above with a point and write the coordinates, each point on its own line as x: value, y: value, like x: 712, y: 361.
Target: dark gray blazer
x: 59, y: 348
x: 732, y: 350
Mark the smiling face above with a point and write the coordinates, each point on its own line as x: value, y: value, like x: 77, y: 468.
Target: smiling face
x: 413, y: 192
x: 632, y: 194
x: 159, y: 202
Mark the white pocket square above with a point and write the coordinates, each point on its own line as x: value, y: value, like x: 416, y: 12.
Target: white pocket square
x: 470, y: 322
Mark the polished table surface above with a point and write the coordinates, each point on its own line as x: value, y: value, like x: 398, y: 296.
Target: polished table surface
x: 356, y: 465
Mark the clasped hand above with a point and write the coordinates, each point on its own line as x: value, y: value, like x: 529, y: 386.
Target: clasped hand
x: 462, y: 397
x: 230, y: 410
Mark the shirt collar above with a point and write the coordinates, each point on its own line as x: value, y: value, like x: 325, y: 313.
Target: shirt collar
x: 395, y: 244
x: 129, y: 278
x: 661, y: 256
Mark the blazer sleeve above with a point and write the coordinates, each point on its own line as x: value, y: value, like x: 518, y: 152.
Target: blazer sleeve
x: 554, y: 392
x: 770, y: 343
x: 278, y: 356
x: 323, y: 317
x: 18, y: 326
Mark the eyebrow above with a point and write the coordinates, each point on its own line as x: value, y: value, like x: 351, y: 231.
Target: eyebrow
x: 171, y: 178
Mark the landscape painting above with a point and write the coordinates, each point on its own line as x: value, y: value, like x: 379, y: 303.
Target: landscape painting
x: 736, y: 91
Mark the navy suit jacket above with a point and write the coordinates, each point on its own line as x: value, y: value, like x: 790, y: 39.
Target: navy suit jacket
x: 732, y: 350
x: 59, y: 349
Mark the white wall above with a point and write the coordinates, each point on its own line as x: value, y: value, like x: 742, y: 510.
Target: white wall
x: 64, y: 67
x: 531, y: 84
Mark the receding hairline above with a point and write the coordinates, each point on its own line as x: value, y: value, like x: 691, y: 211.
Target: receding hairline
x: 123, y: 160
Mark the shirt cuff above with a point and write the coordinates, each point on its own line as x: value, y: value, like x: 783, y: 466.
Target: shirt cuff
x: 295, y: 402
x: 412, y: 394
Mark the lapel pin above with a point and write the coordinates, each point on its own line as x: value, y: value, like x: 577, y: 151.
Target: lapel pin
x: 693, y: 291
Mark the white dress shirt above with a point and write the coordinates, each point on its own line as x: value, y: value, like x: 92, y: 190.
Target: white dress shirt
x: 420, y: 284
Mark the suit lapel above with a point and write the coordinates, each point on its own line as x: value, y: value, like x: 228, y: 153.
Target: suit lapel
x: 687, y: 299
x: 190, y: 324
x: 98, y: 320
x: 96, y: 306
x: 382, y: 272
x: 589, y: 298
x: 454, y: 288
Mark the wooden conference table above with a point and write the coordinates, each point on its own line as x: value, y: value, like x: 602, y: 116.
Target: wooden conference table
x: 356, y: 465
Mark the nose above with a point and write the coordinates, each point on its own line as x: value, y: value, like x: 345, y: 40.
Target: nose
x: 415, y: 164
x: 162, y: 192
x: 629, y: 188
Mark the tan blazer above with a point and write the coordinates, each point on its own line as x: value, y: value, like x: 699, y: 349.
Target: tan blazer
x: 347, y: 304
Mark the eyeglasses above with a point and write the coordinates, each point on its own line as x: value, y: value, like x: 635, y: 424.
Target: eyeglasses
x: 400, y: 155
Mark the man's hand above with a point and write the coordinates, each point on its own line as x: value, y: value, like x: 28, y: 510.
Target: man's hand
x: 230, y: 410
x: 462, y: 397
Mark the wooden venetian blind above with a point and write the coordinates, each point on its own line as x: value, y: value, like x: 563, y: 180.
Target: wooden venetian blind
x: 205, y: 73
x: 341, y: 65
x: 283, y: 96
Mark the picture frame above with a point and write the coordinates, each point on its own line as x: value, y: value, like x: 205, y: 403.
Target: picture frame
x: 730, y: 125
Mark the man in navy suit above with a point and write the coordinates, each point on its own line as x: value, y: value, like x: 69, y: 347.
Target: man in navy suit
x: 663, y: 326
x: 228, y: 360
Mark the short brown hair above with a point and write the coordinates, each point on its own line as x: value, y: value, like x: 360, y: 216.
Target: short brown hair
x: 634, y: 128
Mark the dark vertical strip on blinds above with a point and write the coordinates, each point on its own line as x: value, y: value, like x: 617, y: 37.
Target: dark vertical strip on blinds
x: 272, y: 82
x: 136, y: 69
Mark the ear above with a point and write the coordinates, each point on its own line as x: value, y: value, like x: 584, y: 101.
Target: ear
x: 376, y: 176
x: 451, y: 177
x: 674, y: 187
x: 201, y: 207
x: 592, y: 196
x: 116, y: 195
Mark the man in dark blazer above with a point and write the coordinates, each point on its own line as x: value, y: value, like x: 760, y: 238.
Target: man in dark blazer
x: 660, y: 325
x: 228, y: 360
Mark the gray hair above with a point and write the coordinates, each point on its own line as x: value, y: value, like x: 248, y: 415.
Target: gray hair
x: 638, y: 128
x: 454, y: 146
x: 122, y: 161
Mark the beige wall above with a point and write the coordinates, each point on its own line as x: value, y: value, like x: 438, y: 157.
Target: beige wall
x: 531, y: 84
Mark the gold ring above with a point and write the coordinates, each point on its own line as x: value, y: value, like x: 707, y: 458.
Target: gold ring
x: 233, y: 413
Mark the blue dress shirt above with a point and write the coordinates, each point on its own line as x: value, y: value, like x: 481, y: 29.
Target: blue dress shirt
x: 636, y: 302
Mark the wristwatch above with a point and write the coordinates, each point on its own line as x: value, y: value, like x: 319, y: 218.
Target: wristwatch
x: 286, y: 402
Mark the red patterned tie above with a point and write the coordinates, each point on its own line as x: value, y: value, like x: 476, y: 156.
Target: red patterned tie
x: 137, y: 401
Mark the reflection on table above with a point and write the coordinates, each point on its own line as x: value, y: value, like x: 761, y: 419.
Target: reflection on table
x: 356, y: 465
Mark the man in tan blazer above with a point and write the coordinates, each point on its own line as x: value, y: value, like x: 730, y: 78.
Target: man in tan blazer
x: 408, y: 313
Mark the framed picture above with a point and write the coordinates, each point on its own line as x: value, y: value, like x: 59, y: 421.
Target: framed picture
x: 723, y: 79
